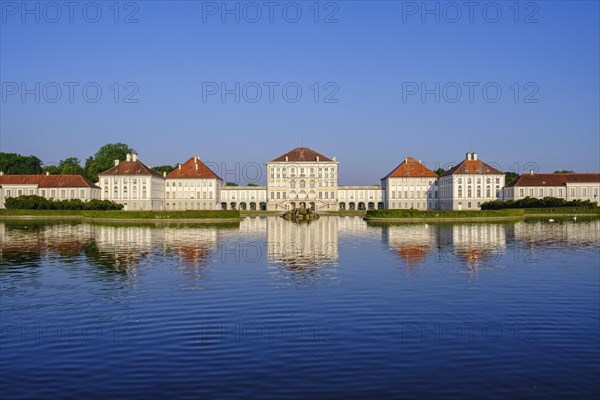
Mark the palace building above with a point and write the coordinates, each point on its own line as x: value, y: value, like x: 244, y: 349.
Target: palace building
x: 193, y: 186
x: 469, y: 184
x: 133, y: 184
x: 570, y: 186
x: 304, y: 178
x: 54, y: 187
x: 410, y: 185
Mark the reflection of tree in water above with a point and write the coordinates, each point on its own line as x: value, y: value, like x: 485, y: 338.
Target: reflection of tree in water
x: 25, y: 243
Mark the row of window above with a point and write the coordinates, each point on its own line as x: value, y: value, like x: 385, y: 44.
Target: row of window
x: 488, y: 192
x: 395, y: 182
x: 420, y: 205
x: 189, y: 183
x: 187, y: 195
x: 303, y: 184
x: 51, y: 193
x: 190, y: 206
x: 410, y: 194
x: 302, y: 170
x: 550, y: 192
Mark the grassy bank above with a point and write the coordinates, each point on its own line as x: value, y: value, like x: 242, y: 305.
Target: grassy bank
x: 357, y: 213
x: 562, y: 211
x: 450, y: 215
x: 124, y: 215
x: 442, y: 214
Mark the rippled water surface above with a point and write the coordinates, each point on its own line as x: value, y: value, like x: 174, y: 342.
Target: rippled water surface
x: 271, y: 309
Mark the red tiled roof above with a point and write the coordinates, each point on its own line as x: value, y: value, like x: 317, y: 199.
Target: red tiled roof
x: 554, y: 179
x: 131, y: 168
x: 47, y: 181
x: 472, y: 167
x: 302, y: 154
x: 193, y: 169
x: 411, y: 168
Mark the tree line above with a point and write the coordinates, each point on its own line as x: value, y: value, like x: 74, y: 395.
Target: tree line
x: 103, y: 159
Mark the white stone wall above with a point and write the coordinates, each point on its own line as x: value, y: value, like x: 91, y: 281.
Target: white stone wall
x: 297, y: 184
x: 360, y: 197
x: 243, y: 197
x: 135, y: 192
x: 571, y: 191
x: 469, y: 191
x: 420, y: 193
x: 59, y: 193
x: 192, y: 194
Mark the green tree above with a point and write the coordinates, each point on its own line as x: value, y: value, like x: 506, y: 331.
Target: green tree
x: 231, y: 184
x: 440, y: 171
x: 51, y: 169
x: 252, y: 184
x: 105, y: 158
x: 509, y: 177
x: 564, y: 171
x: 70, y: 166
x: 12, y: 163
x: 164, y: 168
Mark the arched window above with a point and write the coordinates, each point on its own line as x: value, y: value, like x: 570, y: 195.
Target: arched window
x: 302, y: 184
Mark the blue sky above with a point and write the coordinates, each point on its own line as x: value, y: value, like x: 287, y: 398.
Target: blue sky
x: 373, y: 63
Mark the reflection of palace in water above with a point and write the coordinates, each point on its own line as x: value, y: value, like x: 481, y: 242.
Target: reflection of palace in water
x: 296, y: 246
x: 472, y: 243
x: 412, y: 243
x: 305, y: 244
x: 586, y: 233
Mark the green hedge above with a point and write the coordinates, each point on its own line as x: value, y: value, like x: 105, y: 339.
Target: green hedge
x: 42, y: 203
x: 563, y: 210
x: 442, y: 213
x: 151, y: 215
x: 531, y: 202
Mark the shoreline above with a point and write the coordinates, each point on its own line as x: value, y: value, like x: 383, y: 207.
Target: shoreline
x: 481, y: 219
x: 135, y: 220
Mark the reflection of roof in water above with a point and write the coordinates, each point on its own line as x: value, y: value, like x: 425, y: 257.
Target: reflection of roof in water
x: 412, y: 255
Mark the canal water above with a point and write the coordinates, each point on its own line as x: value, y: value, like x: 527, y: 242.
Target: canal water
x: 270, y: 309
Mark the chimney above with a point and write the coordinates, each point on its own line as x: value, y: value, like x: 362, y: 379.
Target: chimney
x: 164, y: 174
x: 475, y: 156
x: 128, y: 157
x: 530, y: 172
x: 406, y: 160
x: 196, y: 166
x: 116, y: 162
x: 47, y: 173
x: 134, y: 157
x: 334, y: 159
x: 286, y: 158
x: 420, y: 161
x: 468, y: 156
x: 1, y: 173
x: 318, y: 159
x: 179, y: 166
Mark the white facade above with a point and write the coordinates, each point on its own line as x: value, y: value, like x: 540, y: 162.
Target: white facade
x: 134, y: 185
x: 563, y: 186
x: 52, y: 187
x: 302, y: 178
x: 407, y: 193
x: 243, y: 198
x: 192, y: 186
x: 469, y: 184
x: 360, y: 197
